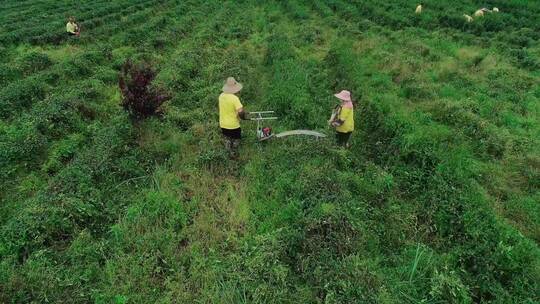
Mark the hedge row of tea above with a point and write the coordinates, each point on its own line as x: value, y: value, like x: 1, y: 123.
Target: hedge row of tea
x: 436, y: 201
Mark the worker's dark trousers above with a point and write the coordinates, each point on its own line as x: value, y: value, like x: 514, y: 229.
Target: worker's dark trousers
x: 343, y: 138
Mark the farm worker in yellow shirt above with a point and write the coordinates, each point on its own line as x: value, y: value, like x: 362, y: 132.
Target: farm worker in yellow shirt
x: 230, y: 113
x: 72, y: 28
x: 343, y: 118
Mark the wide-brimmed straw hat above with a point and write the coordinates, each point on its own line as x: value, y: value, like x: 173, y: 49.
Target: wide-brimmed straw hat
x: 232, y: 86
x: 344, y: 95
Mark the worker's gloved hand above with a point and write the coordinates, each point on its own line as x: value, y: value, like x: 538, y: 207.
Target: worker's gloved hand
x: 244, y: 115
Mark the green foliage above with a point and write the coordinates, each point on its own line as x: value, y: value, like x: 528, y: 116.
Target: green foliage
x: 22, y: 145
x: 34, y: 62
x: 448, y: 288
x: 21, y: 94
x: 436, y: 201
x: 8, y: 73
x: 62, y: 152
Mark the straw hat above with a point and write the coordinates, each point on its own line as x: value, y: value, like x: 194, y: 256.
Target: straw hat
x: 344, y: 95
x: 232, y: 86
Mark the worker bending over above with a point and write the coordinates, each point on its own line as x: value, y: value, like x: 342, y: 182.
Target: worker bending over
x: 72, y: 28
x: 343, y: 118
x: 230, y: 113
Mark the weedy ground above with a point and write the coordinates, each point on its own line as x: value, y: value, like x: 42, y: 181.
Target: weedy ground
x: 437, y: 201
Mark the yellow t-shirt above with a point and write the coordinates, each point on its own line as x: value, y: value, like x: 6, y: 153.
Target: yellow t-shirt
x: 71, y: 27
x: 229, y: 105
x: 347, y: 116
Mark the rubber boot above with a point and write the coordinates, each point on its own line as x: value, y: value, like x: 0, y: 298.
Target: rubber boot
x: 235, y: 144
x: 228, y: 145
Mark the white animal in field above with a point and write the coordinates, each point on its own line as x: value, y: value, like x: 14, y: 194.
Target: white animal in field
x: 418, y: 9
x: 482, y: 11
x: 495, y: 10
x: 468, y: 18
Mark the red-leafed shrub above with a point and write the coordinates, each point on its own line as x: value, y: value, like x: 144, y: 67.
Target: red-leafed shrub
x: 139, y: 97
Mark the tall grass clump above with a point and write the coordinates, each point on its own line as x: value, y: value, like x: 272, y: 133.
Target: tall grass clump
x: 103, y: 200
x: 289, y: 95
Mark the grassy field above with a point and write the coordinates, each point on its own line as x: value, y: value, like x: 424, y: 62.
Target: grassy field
x: 437, y: 200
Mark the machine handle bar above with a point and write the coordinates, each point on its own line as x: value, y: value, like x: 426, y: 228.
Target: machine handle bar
x: 262, y: 112
x: 264, y: 118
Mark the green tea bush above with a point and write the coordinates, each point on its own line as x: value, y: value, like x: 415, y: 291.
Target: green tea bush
x: 9, y: 38
x: 521, y: 38
x: 75, y: 68
x: 414, y: 90
x: 111, y: 142
x: 456, y: 21
x: 496, y: 248
x: 435, y: 201
x: 531, y: 171
x: 489, y: 140
x: 73, y: 200
x: 34, y: 62
x: 121, y: 55
x: 95, y: 57
x: 524, y: 60
x: 21, y: 94
x: 494, y: 23
x: 48, y: 38
x: 447, y: 287
x: 212, y: 158
x: 57, y: 116
x: 289, y: 93
x: 61, y: 152
x: 159, y: 43
x: 8, y: 74
x: 184, y: 68
x: 21, y: 144
x: 179, y: 119
x: 265, y: 260
x: 279, y: 48
x: 156, y: 210
x: 375, y: 185
x: 153, y: 224
x: 381, y: 134
x: 369, y: 286
x: 135, y: 37
x: 346, y: 10
x: 37, y: 226
x: 91, y: 89
x: 422, y: 145
x: 107, y: 75
x: 297, y: 10
x: 427, y: 161
x: 329, y: 237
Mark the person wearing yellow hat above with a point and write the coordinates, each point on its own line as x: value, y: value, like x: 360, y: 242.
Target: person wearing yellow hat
x: 231, y: 111
x: 343, y: 118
